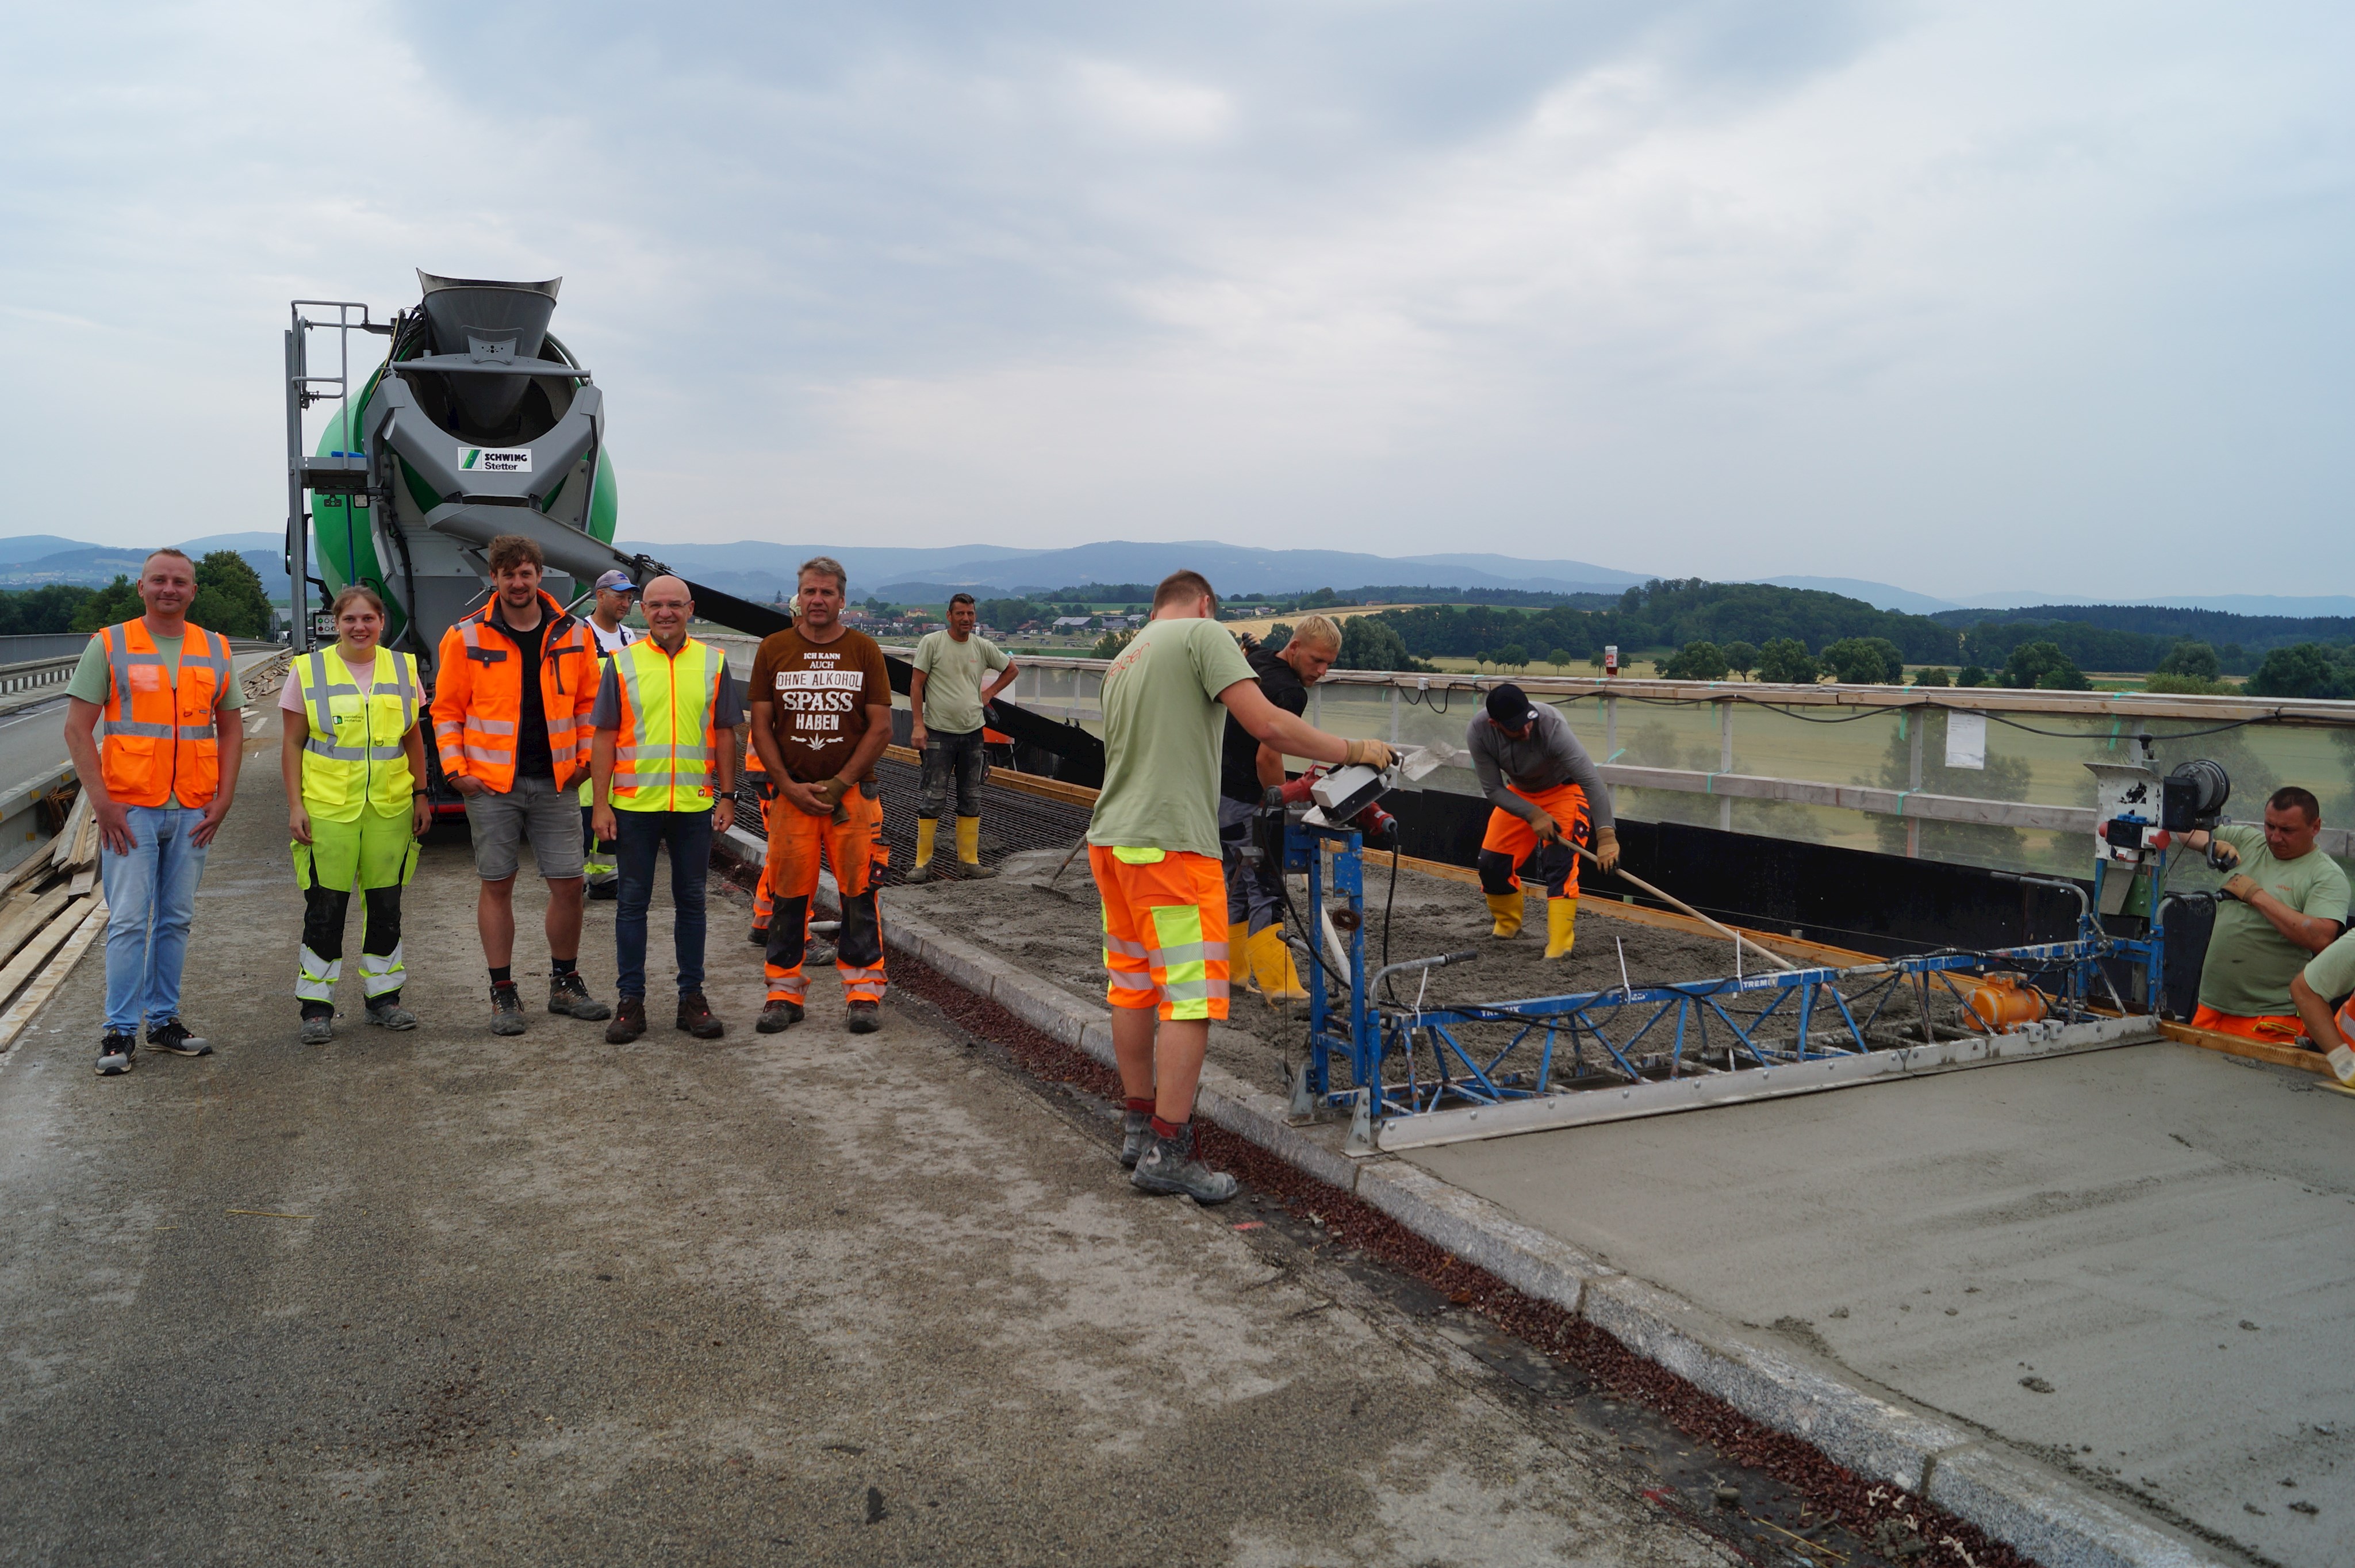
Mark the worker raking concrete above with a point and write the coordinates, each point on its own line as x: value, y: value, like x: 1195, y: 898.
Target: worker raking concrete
x: 1153, y: 845
x: 1550, y: 800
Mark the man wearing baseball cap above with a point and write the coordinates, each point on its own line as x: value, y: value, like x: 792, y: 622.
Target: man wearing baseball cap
x: 1550, y: 798
x: 614, y: 590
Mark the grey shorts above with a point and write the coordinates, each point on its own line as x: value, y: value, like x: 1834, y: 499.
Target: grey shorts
x: 534, y: 809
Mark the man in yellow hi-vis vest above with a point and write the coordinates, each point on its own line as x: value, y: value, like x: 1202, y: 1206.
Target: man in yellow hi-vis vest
x: 354, y: 761
x: 663, y: 771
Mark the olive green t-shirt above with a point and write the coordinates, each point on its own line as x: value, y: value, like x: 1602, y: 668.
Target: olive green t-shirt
x: 93, y: 677
x: 2331, y: 972
x: 954, y: 672
x: 2249, y: 965
x: 1162, y: 729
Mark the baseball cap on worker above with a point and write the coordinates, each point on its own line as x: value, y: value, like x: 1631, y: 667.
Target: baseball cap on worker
x: 617, y: 582
x: 1509, y: 707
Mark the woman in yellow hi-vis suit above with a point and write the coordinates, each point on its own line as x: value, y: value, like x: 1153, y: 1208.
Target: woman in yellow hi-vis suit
x: 354, y: 762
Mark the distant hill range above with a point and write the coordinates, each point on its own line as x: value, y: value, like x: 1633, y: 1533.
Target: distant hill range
x: 757, y: 569
x: 2213, y: 626
x: 30, y: 561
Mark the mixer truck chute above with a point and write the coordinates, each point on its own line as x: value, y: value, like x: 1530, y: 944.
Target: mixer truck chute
x: 479, y: 423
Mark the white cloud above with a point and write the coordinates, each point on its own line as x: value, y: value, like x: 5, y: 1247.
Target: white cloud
x: 1680, y: 289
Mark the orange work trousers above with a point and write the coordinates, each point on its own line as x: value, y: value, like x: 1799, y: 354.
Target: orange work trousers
x: 1511, y: 847
x: 853, y: 851
x: 2272, y: 1029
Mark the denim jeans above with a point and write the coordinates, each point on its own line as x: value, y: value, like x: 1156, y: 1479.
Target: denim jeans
x: 948, y: 753
x: 687, y: 834
x: 150, y: 896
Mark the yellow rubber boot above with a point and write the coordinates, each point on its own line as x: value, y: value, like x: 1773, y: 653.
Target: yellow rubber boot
x: 925, y: 827
x: 1507, y: 908
x: 968, y: 840
x: 1272, y: 972
x: 1562, y: 926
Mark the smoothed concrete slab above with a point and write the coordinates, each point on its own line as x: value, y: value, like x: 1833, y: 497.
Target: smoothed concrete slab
x: 2136, y: 1265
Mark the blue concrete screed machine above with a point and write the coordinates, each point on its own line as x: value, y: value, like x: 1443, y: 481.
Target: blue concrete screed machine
x: 1420, y: 1075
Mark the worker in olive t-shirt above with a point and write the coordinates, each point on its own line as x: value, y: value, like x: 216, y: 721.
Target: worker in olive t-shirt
x: 2285, y: 903
x: 1153, y: 845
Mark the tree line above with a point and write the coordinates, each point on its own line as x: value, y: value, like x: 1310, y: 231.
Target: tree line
x: 230, y: 600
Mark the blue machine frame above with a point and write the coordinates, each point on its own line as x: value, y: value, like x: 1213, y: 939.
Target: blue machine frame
x: 1645, y: 1033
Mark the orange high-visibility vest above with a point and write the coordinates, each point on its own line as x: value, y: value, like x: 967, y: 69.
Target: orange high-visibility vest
x: 478, y: 694
x: 163, y: 745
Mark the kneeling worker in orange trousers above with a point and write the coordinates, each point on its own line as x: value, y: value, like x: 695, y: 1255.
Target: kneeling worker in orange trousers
x: 1153, y: 845
x: 1550, y: 799
x: 2284, y: 902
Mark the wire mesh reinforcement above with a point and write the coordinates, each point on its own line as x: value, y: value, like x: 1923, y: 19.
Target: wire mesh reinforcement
x: 1011, y: 821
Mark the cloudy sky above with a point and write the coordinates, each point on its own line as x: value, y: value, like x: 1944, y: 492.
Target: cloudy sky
x: 1960, y: 297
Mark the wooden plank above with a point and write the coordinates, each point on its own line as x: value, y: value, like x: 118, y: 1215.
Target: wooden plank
x: 72, y: 830
x: 38, y: 951
x: 32, y: 867
x: 85, y: 849
x: 84, y: 880
x: 2254, y: 1049
x: 37, y: 995
x: 20, y: 927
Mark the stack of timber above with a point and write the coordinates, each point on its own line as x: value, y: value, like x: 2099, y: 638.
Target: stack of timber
x: 50, y: 911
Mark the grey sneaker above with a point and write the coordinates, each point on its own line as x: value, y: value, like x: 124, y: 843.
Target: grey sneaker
x: 393, y: 1016
x: 1170, y: 1167
x: 115, y: 1052
x: 318, y: 1030
x: 1135, y: 1137
x: 568, y: 995
x: 172, y: 1035
x: 507, y: 1009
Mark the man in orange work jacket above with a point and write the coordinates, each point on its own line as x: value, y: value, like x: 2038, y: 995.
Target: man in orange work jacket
x: 160, y: 776
x: 513, y: 686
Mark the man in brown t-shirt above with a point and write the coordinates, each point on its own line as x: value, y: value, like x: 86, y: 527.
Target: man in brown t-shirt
x: 821, y: 704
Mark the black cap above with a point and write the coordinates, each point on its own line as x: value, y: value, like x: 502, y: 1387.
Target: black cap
x: 1509, y: 706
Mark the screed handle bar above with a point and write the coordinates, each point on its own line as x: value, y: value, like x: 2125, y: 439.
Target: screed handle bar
x: 1640, y: 885
x: 1441, y: 962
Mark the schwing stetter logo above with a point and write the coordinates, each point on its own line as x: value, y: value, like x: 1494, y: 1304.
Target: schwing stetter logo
x: 494, y: 459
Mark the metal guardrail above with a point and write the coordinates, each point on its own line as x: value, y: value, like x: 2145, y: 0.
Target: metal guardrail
x: 31, y: 673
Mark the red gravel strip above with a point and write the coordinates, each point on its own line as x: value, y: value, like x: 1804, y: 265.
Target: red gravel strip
x: 1875, y: 1510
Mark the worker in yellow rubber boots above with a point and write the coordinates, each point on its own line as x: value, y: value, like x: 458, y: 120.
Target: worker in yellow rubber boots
x: 353, y: 755
x: 1246, y: 771
x: 948, y: 703
x: 1550, y: 800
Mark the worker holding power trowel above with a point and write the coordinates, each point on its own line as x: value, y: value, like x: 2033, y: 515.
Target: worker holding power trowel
x: 1153, y: 844
x: 1247, y: 769
x: 1549, y: 801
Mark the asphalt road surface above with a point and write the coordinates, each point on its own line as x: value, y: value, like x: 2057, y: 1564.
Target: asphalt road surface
x: 445, y: 1297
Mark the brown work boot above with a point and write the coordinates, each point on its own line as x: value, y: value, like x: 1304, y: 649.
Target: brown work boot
x: 778, y: 1017
x: 694, y: 1016
x: 629, y: 1021
x: 861, y: 1017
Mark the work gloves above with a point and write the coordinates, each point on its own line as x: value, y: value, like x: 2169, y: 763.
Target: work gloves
x: 1606, y: 849
x: 1373, y: 753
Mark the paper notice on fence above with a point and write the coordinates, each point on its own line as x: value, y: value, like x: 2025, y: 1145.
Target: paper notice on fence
x: 1966, y: 740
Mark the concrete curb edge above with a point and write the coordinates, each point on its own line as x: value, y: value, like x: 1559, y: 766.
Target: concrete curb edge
x: 2033, y: 1510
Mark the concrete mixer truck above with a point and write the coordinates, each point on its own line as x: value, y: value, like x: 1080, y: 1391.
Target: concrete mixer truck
x: 479, y: 421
